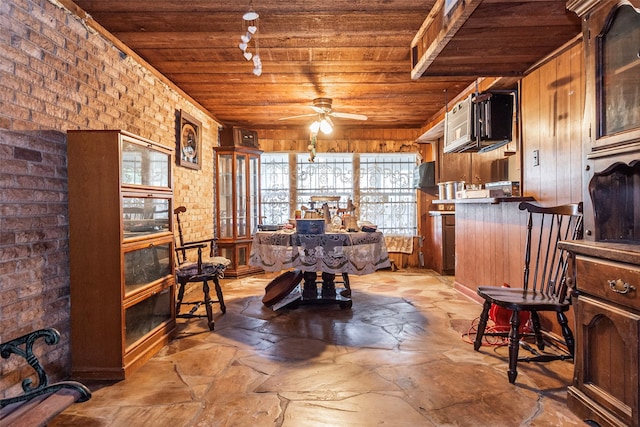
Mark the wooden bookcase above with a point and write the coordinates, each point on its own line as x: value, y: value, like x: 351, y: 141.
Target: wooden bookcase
x: 121, y: 252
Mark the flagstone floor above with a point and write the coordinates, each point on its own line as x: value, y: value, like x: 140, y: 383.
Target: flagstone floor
x: 399, y: 357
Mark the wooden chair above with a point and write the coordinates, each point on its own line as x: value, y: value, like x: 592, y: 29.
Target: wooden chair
x: 198, y: 271
x: 544, y: 286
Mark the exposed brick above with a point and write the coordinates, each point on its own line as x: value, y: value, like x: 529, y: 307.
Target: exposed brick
x: 26, y: 154
x: 56, y: 75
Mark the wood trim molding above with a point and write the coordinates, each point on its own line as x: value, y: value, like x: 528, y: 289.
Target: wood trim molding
x: 582, y: 7
x: 449, y: 27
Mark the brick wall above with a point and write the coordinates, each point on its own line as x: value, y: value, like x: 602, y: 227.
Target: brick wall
x: 56, y: 74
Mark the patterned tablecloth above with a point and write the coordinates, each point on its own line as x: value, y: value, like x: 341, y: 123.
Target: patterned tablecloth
x: 352, y: 253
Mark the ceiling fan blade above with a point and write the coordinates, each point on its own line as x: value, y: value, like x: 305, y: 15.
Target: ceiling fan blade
x: 348, y: 116
x: 297, y: 117
x: 319, y: 110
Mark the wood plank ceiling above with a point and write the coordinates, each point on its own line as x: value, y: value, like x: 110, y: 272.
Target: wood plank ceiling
x: 357, y: 52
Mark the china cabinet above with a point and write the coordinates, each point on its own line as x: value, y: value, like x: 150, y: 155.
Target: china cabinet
x: 237, y: 205
x: 121, y: 246
x: 606, y: 264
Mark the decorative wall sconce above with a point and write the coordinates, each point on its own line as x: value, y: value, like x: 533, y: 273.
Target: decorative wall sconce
x: 250, y: 25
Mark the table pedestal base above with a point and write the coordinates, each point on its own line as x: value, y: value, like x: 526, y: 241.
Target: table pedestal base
x: 327, y: 292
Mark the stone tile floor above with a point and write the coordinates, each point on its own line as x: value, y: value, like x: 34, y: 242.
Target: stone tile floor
x: 398, y: 357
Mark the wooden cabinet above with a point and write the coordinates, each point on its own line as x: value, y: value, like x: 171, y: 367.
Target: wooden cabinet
x: 121, y: 251
x: 237, y: 137
x: 607, y: 262
x: 237, y: 205
x: 611, y: 132
x: 444, y: 242
x: 607, y: 313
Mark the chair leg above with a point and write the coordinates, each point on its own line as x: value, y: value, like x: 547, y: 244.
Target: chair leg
x: 514, y: 346
x: 566, y: 332
x: 482, y: 324
x: 216, y: 282
x: 181, y: 287
x: 207, y: 304
x: 537, y: 328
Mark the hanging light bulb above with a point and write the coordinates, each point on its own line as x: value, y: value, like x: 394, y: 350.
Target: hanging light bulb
x: 314, y: 127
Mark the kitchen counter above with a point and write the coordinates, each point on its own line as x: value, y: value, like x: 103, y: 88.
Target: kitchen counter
x: 439, y: 213
x: 485, y: 200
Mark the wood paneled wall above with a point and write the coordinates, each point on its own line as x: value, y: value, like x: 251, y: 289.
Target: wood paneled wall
x: 552, y: 109
x: 342, y: 140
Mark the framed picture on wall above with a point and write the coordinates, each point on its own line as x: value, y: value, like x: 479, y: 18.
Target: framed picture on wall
x: 189, y: 141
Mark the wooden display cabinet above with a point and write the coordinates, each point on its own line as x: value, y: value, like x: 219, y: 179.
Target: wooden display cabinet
x: 606, y: 266
x: 237, y: 206
x: 121, y: 252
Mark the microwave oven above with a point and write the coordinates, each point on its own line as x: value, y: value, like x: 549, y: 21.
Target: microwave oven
x: 479, y: 121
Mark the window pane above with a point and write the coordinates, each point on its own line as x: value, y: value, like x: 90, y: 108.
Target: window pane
x: 387, y: 196
x: 328, y: 175
x: 274, y: 187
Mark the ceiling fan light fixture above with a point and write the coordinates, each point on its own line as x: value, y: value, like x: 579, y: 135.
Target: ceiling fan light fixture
x: 326, y: 127
x: 315, y: 126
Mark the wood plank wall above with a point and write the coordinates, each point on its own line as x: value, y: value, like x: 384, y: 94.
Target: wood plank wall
x: 342, y: 140
x: 553, y: 99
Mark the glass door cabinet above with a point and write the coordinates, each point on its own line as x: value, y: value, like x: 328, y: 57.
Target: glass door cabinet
x: 237, y: 205
x: 121, y: 251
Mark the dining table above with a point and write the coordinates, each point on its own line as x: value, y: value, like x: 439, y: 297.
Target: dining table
x: 331, y: 253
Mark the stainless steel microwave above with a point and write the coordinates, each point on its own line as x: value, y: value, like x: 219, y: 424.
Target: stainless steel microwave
x: 478, y: 121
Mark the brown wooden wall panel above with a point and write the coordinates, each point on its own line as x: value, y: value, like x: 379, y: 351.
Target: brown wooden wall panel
x: 552, y: 111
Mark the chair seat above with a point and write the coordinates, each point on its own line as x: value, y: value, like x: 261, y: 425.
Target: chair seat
x: 189, y: 271
x: 521, y: 299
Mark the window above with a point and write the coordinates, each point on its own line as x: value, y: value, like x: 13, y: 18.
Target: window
x: 380, y: 185
x: 387, y: 195
x: 274, y: 188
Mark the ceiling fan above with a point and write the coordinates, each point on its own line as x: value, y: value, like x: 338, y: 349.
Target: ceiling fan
x: 324, y: 113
